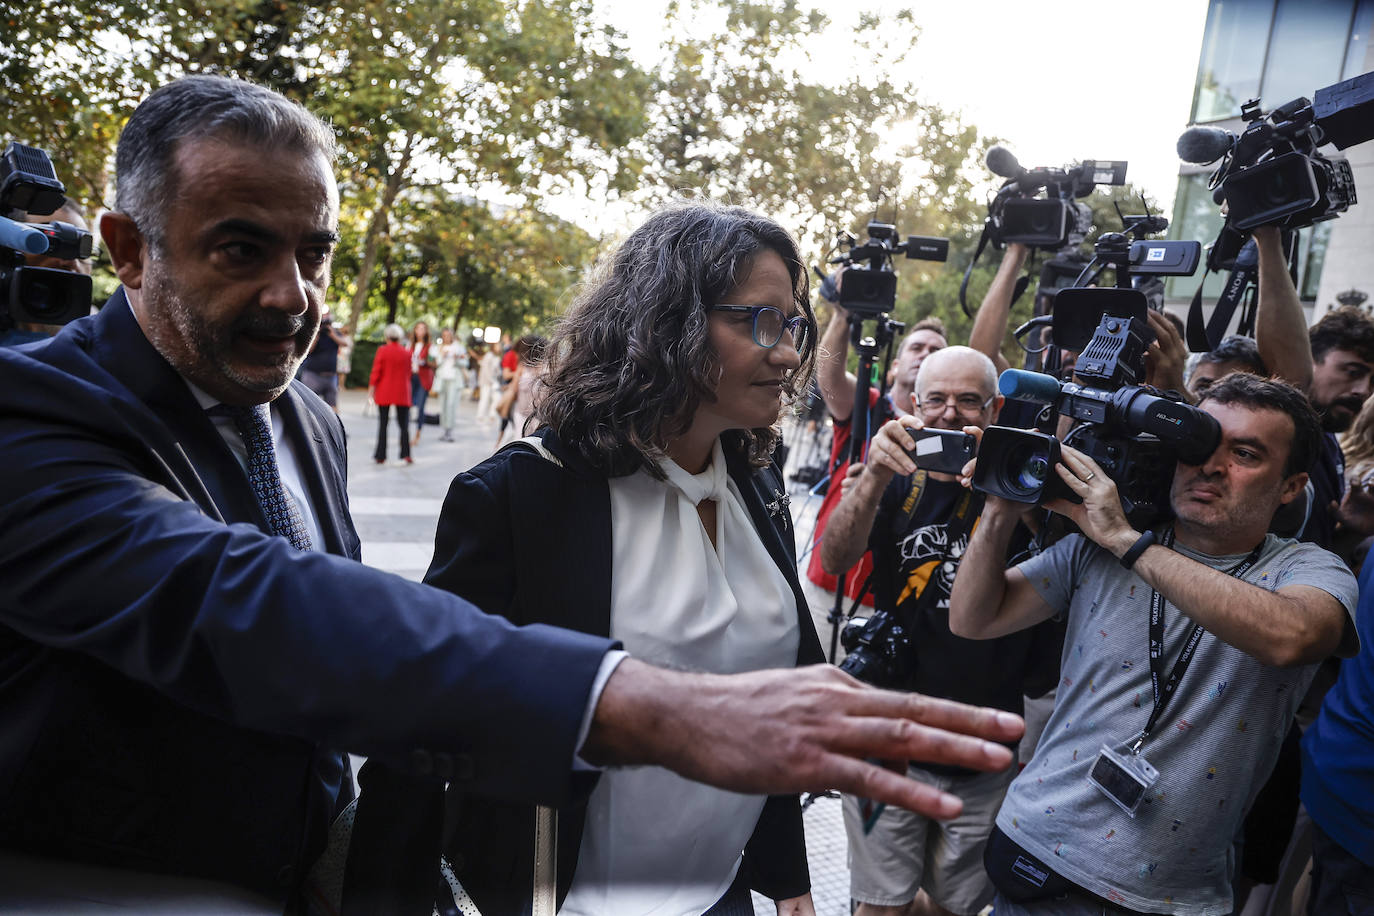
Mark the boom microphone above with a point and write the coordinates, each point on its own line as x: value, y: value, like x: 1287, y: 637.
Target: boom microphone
x: 1203, y: 145
x: 1028, y: 386
x: 1001, y: 161
x: 22, y: 237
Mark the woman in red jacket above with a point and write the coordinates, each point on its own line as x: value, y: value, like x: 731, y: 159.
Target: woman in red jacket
x: 390, y: 387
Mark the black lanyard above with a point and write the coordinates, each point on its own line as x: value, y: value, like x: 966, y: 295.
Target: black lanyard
x: 1165, y: 692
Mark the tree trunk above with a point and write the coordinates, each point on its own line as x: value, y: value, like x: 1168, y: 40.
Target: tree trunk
x: 395, y: 180
x: 462, y: 308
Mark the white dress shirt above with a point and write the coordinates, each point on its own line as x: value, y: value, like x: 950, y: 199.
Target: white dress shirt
x: 655, y: 842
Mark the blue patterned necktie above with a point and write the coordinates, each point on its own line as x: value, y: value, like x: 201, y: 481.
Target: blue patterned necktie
x: 283, y: 516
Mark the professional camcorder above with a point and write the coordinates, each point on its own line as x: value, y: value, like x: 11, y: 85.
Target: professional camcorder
x: 1272, y: 174
x: 868, y: 292
x: 869, y: 288
x: 1018, y: 213
x: 39, y: 295
x: 1136, y: 434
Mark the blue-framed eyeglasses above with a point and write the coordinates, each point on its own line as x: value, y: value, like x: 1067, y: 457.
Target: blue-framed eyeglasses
x: 769, y: 323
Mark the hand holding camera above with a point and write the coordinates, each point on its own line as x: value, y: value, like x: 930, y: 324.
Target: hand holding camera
x: 1166, y: 356
x: 1099, y: 515
x: 906, y: 444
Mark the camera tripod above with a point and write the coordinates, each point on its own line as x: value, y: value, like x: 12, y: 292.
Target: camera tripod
x: 886, y: 331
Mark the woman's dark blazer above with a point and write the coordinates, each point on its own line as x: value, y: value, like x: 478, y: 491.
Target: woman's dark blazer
x: 525, y: 537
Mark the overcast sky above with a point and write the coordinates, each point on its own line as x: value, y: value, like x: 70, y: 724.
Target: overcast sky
x: 1060, y: 81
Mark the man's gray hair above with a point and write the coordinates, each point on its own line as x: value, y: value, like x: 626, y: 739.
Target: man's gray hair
x: 394, y: 332
x: 935, y: 360
x: 195, y: 108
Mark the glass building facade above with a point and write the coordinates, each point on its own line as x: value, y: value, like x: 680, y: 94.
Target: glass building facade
x: 1274, y: 50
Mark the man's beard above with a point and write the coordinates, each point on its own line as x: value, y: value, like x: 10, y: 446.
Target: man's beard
x: 1336, y: 421
x: 207, y: 348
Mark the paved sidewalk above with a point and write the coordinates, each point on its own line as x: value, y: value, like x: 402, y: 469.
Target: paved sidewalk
x: 396, y: 508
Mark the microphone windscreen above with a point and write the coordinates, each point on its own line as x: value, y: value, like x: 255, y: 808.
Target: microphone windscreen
x: 1001, y: 161
x: 1028, y: 386
x: 21, y: 237
x: 1202, y: 145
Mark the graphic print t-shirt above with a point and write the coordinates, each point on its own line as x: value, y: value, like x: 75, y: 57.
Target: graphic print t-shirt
x: 912, y: 552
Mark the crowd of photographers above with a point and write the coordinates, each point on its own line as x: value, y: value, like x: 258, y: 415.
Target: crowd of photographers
x: 1181, y: 655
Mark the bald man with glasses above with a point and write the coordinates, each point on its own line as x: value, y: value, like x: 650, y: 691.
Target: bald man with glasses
x: 917, y: 524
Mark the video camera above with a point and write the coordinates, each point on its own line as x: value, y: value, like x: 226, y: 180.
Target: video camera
x: 869, y: 287
x: 1272, y: 174
x: 1018, y: 214
x: 1136, y: 434
x: 39, y: 295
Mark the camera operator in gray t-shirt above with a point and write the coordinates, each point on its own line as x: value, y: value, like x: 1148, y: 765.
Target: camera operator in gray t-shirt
x: 1180, y: 671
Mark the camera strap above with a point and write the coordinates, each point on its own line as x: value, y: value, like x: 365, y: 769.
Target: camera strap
x: 1021, y: 283
x: 1239, y: 289
x: 968, y: 271
x: 961, y: 524
x: 1164, y: 692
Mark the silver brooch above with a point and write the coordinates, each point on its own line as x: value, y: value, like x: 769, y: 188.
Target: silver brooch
x: 780, y: 506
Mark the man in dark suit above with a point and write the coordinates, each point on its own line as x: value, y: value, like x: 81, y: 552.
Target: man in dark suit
x: 184, y: 634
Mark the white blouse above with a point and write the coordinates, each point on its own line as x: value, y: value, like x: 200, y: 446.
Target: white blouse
x: 653, y: 841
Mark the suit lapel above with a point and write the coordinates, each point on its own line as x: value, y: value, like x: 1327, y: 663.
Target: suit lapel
x: 561, y: 520
x: 124, y: 351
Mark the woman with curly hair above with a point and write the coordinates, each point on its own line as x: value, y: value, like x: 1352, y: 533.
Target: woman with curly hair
x: 649, y: 508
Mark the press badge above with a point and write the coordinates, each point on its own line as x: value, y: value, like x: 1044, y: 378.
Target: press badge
x: 1123, y: 779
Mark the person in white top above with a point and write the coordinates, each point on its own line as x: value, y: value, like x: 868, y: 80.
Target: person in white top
x: 448, y: 378
x: 662, y: 391
x: 488, y: 373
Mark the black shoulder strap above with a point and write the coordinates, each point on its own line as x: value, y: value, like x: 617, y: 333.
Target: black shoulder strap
x: 968, y: 271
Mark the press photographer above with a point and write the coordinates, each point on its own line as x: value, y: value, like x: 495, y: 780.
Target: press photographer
x: 908, y: 508
x: 839, y: 389
x: 842, y: 391
x: 1140, y: 782
x: 44, y: 246
x: 1273, y: 179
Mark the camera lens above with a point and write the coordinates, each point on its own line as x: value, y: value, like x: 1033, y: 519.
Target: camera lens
x: 39, y: 299
x: 1027, y: 469
x: 1276, y: 190
x: 1033, y: 472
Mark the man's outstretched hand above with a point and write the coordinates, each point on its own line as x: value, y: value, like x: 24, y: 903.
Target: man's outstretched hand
x: 793, y: 730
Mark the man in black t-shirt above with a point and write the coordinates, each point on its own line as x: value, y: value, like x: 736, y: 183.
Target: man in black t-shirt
x: 917, y: 524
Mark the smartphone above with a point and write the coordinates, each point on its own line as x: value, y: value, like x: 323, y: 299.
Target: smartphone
x: 945, y: 451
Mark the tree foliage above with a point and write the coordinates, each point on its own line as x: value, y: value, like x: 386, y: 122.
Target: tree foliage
x: 438, y: 104
x: 746, y: 112
x: 454, y: 261
x: 461, y: 94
